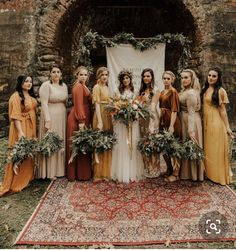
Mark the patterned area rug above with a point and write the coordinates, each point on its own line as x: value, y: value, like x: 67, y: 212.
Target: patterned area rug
x: 147, y: 212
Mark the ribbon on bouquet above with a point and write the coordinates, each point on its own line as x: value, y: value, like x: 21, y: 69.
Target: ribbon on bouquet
x: 129, y: 138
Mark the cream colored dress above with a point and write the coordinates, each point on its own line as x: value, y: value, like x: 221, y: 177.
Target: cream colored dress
x: 216, y: 144
x: 191, y: 121
x: 53, y: 98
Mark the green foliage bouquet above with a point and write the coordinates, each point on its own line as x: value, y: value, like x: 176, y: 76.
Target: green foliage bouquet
x: 233, y: 149
x: 164, y: 143
x: 192, y: 151
x: 87, y: 140
x: 50, y: 144
x: 22, y: 149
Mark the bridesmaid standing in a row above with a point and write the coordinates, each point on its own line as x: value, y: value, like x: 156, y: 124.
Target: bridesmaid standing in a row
x: 102, y: 121
x: 53, y: 95
x: 79, y: 117
x: 170, y: 121
x: 22, y: 114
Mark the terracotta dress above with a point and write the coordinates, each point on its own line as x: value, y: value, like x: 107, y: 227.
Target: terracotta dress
x: 169, y: 102
x: 53, y: 98
x: 151, y: 164
x: 27, y: 117
x: 191, y: 121
x: 216, y: 144
x: 102, y: 170
x: 80, y: 168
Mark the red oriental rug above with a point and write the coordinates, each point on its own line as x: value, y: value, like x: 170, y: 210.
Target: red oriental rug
x: 146, y: 212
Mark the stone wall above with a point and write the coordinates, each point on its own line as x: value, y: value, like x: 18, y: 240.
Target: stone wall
x: 36, y: 33
x: 17, y: 42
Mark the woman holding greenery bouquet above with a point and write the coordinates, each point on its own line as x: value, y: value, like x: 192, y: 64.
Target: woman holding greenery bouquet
x: 80, y: 117
x: 149, y: 97
x: 53, y: 95
x: 190, y: 104
x: 127, y: 162
x: 170, y: 121
x: 22, y: 114
x: 102, y: 121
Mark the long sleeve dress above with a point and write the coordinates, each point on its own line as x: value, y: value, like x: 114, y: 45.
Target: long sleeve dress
x: 53, y: 98
x: 127, y: 162
x: 102, y: 170
x: 80, y: 168
x: 216, y: 145
x: 27, y: 117
x: 152, y: 163
x: 191, y: 122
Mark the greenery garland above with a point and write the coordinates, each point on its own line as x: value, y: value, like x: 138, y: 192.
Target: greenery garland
x: 93, y: 40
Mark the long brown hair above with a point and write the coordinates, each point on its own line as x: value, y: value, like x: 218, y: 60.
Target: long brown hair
x: 121, y: 76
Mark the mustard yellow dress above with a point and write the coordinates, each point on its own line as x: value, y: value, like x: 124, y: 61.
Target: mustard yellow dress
x: 27, y: 116
x: 102, y: 170
x: 216, y: 144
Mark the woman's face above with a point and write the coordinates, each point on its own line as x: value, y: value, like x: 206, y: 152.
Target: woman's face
x: 82, y: 76
x: 147, y: 77
x: 104, y: 76
x: 126, y: 81
x: 186, y: 79
x: 55, y: 74
x: 27, y: 84
x: 167, y: 80
x: 212, y: 77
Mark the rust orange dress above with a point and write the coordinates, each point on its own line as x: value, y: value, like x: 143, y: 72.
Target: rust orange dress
x: 169, y: 102
x: 27, y: 116
x: 80, y: 168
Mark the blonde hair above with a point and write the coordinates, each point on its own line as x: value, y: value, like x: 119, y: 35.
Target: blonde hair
x: 76, y: 72
x: 194, y: 80
x: 100, y: 70
x: 168, y: 72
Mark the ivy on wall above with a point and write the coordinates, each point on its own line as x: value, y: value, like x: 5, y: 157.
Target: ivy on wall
x: 92, y: 40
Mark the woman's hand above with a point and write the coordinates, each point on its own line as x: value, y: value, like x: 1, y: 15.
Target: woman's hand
x: 192, y: 135
x: 171, y: 129
x: 48, y: 125
x: 230, y: 133
x: 20, y: 135
x: 100, y: 125
x: 81, y: 126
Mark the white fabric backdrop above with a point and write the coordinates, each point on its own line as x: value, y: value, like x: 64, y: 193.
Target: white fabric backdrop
x: 124, y: 56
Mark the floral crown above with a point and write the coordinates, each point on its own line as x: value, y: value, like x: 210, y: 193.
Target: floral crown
x: 124, y: 73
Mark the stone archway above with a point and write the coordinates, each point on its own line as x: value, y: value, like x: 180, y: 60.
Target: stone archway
x: 65, y: 21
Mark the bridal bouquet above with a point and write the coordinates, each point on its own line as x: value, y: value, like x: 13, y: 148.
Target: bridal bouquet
x: 127, y: 111
x: 50, y: 144
x: 21, y: 150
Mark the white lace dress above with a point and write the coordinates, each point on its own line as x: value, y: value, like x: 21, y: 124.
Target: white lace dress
x: 127, y: 162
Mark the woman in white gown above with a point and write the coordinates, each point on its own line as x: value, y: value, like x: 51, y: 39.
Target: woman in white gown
x: 127, y: 162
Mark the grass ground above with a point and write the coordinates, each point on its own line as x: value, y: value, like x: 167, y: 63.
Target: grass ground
x: 16, y: 209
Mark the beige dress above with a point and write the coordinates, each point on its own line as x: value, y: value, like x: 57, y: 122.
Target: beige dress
x: 191, y: 121
x: 152, y: 163
x: 53, y: 98
x: 216, y: 144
